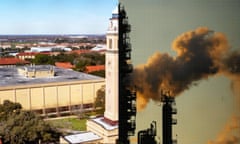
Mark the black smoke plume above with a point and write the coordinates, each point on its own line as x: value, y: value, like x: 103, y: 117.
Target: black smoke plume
x: 201, y: 53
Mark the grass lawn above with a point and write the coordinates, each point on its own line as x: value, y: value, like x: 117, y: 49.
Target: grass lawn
x: 74, y: 123
x: 70, y: 123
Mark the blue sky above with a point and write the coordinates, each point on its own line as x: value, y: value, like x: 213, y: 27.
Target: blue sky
x: 55, y: 16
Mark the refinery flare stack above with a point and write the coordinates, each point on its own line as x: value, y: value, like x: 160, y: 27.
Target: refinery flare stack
x: 127, y: 97
x: 168, y: 121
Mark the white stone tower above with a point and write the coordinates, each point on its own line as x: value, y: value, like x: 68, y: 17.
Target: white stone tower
x: 107, y: 126
x: 111, y: 98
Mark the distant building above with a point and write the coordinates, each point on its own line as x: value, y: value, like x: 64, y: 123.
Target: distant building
x: 66, y: 65
x: 9, y: 62
x: 78, y: 52
x: 90, y: 69
x: 30, y: 55
x: 49, y: 49
x: 41, y: 49
x: 99, y: 48
x: 49, y: 90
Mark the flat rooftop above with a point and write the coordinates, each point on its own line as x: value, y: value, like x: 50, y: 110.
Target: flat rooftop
x: 9, y: 76
x: 82, y: 137
x: 100, y: 121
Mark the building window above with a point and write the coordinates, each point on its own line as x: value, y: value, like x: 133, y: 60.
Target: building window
x: 110, y: 43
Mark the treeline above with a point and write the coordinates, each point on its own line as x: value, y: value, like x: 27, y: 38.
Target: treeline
x: 78, y: 61
x: 99, y: 40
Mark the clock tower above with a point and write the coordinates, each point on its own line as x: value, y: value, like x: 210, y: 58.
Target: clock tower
x: 107, y: 126
x: 111, y: 98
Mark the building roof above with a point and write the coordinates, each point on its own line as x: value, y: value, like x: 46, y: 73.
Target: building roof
x: 33, y: 53
x: 79, y: 51
x: 41, y: 49
x: 99, y: 48
x: 95, y: 68
x: 12, y: 61
x: 103, y: 123
x: 66, y: 65
x: 27, y: 54
x: 10, y: 77
x: 82, y: 137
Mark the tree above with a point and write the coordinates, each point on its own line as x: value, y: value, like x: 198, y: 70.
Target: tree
x: 62, y: 57
x: 87, y: 59
x: 19, y: 127
x: 81, y: 66
x: 100, y: 98
x: 94, y: 58
x: 43, y: 59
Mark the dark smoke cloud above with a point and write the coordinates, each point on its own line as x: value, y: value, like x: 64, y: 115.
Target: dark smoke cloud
x: 231, y: 64
x: 201, y: 53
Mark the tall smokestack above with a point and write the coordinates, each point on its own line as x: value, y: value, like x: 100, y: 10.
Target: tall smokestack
x: 167, y: 119
x: 127, y: 97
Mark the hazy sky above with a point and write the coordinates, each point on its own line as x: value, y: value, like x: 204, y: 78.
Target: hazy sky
x: 204, y: 109
x: 55, y: 16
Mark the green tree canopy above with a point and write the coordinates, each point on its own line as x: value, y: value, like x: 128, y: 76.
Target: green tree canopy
x: 87, y: 59
x: 63, y: 57
x: 43, y: 59
x: 100, y: 98
x: 20, y: 127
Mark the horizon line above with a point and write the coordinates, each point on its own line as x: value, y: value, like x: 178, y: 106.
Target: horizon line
x: 52, y: 34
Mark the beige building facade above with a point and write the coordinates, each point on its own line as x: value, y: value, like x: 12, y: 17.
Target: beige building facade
x: 66, y: 93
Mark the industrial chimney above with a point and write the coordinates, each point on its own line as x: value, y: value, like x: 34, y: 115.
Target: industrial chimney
x: 127, y: 96
x: 167, y: 119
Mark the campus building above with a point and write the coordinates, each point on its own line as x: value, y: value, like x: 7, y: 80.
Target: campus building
x: 48, y: 89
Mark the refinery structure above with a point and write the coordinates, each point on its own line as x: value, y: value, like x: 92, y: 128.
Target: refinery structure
x: 127, y: 96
